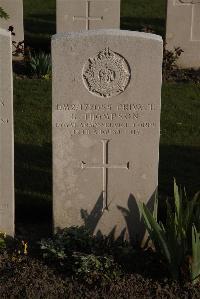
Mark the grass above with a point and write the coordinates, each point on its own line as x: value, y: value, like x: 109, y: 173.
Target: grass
x: 33, y: 179
x: 180, y: 115
x: 180, y: 143
x: 138, y: 15
x: 39, y: 23
x: 40, y: 19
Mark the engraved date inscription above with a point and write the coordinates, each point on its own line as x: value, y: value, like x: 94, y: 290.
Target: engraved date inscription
x: 107, y: 120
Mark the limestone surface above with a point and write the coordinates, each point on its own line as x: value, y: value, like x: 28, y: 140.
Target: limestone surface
x: 6, y: 136
x: 14, y: 8
x: 77, y: 15
x: 183, y: 30
x: 106, y: 128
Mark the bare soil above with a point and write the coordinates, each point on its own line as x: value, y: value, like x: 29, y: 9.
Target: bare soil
x: 29, y: 277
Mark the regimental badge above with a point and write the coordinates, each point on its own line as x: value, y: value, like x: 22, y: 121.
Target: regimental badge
x: 107, y: 74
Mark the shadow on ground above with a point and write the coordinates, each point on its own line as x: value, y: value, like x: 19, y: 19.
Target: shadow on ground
x: 182, y: 163
x: 33, y: 190
x: 38, y: 31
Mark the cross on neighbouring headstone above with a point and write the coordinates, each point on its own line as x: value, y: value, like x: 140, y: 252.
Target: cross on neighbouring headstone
x: 183, y: 30
x: 87, y: 17
x: 105, y: 166
x: 195, y: 18
x: 78, y: 15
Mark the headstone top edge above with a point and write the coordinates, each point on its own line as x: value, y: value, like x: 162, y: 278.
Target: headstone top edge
x: 90, y: 0
x: 109, y: 32
x: 5, y: 32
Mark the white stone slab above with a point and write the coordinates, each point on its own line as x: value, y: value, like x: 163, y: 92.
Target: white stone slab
x: 183, y: 30
x: 14, y: 8
x: 6, y: 136
x: 77, y: 15
x: 106, y: 128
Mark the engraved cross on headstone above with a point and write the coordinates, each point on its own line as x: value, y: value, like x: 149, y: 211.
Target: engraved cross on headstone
x: 87, y: 17
x: 105, y: 166
x: 195, y: 22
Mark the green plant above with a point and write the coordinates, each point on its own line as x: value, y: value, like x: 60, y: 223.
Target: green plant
x: 2, y: 242
x: 91, y: 267
x: 18, y: 47
x: 39, y: 65
x: 80, y: 239
x: 78, y: 251
x: 177, y: 240
x: 195, y: 256
x: 170, y: 61
x: 3, y: 14
x: 67, y: 241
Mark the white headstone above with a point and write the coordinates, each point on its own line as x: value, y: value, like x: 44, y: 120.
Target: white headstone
x: 183, y: 30
x: 6, y: 136
x: 77, y: 15
x: 106, y: 128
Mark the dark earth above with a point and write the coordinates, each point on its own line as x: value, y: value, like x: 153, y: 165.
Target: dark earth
x: 24, y: 276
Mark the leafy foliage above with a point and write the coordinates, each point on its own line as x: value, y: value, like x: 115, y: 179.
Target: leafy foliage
x: 195, y: 262
x: 18, y: 47
x: 66, y: 242
x: 3, y: 14
x: 2, y: 242
x: 81, y: 253
x: 178, y: 241
x: 92, y: 267
x: 170, y: 61
x: 39, y: 65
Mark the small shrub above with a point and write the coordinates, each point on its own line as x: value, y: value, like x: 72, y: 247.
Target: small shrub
x: 39, y: 65
x: 65, y: 242
x: 12, y: 245
x: 18, y: 48
x: 79, y: 239
x: 170, y: 62
x: 2, y: 242
x: 76, y: 250
x: 91, y: 267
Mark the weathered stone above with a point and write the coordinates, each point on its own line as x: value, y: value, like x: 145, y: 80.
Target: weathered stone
x: 14, y: 8
x: 77, y: 15
x: 106, y: 126
x: 183, y: 30
x: 6, y: 136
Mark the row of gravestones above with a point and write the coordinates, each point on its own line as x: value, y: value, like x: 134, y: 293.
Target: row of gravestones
x: 106, y: 124
x: 106, y: 127
x: 182, y: 30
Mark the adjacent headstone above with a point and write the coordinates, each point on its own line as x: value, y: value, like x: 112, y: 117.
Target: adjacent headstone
x: 14, y: 8
x: 106, y: 128
x: 6, y: 136
x: 183, y: 30
x: 77, y: 15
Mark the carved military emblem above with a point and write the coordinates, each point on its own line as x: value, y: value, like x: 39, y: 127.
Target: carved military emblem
x: 107, y: 74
